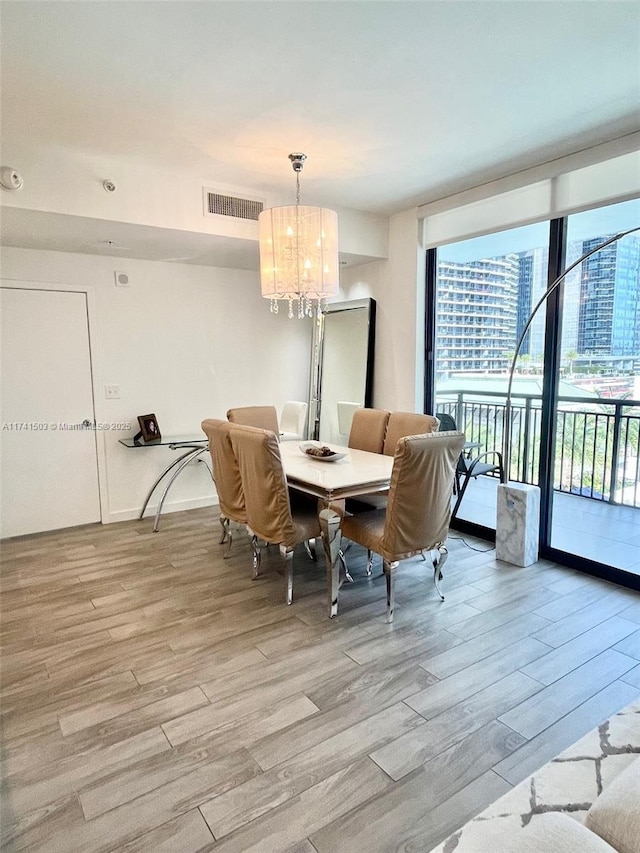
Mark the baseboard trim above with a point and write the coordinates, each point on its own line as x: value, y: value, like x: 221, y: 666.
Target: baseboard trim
x: 173, y: 506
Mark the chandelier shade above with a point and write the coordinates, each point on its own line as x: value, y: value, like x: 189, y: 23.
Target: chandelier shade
x: 298, y: 254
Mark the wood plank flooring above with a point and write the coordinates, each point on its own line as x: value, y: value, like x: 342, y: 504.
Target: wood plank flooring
x: 155, y: 698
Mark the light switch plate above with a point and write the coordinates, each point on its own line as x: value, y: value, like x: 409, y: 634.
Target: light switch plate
x: 122, y: 279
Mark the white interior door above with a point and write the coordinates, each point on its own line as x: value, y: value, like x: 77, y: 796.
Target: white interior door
x: 49, y: 471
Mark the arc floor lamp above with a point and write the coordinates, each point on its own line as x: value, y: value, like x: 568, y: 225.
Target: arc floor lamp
x: 518, y: 505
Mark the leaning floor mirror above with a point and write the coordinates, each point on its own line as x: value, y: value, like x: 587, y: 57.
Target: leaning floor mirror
x: 341, y: 368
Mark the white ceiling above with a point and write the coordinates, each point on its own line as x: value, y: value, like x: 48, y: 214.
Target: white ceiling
x: 36, y: 229
x: 395, y: 103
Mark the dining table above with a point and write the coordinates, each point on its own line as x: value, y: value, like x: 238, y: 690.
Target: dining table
x: 348, y: 473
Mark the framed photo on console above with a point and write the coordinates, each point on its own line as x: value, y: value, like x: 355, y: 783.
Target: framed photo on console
x: 149, y: 429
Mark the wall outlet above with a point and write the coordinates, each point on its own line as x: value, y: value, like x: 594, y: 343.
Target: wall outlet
x: 112, y: 392
x: 122, y: 279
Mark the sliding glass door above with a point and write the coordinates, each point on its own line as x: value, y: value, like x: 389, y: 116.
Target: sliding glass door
x: 484, y: 290
x: 575, y: 415
x: 595, y: 500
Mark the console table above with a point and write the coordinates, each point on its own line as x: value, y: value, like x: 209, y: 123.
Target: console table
x: 193, y: 446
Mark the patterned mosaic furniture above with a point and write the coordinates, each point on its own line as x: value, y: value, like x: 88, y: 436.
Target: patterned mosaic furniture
x: 587, y: 799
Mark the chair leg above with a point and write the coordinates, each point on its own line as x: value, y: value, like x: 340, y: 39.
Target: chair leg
x: 230, y: 535
x: 438, y: 563
x: 288, y: 571
x: 369, y: 562
x: 390, y: 570
x: 224, y: 524
x: 256, y: 556
x: 345, y: 571
x: 226, y: 535
x: 461, y: 490
x: 310, y: 548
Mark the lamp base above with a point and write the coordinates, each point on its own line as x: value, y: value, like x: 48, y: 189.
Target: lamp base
x: 517, y: 523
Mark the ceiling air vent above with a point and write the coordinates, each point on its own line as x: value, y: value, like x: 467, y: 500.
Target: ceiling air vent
x: 216, y: 204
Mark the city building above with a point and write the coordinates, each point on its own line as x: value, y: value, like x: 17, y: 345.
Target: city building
x: 477, y: 314
x: 609, y: 322
x: 483, y: 307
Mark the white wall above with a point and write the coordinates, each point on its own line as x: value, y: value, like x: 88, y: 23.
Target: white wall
x: 397, y: 285
x: 71, y: 183
x: 184, y: 342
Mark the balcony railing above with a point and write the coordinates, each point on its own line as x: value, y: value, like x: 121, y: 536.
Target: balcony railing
x: 597, y: 440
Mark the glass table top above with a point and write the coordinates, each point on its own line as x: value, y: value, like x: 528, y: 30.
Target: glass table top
x: 184, y: 440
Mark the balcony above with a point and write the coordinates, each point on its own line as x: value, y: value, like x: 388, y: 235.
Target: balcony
x: 596, y: 500
x: 606, y: 532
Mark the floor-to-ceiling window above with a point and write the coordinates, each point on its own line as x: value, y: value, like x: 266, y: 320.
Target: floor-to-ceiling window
x: 575, y: 415
x: 485, y: 288
x: 595, y: 501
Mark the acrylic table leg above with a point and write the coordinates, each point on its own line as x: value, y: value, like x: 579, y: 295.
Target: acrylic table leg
x: 330, y: 525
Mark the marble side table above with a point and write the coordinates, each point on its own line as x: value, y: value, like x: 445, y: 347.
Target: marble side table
x: 517, y: 523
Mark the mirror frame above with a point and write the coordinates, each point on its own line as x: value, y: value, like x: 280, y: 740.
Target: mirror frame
x: 317, y: 347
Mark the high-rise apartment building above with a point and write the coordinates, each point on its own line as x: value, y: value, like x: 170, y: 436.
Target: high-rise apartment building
x: 532, y: 283
x: 483, y: 306
x: 609, y: 320
x: 525, y: 298
x: 477, y: 314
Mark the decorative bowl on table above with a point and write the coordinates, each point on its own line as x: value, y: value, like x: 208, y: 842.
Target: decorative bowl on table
x: 320, y: 452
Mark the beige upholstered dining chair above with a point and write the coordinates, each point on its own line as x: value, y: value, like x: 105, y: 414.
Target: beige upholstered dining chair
x: 406, y: 423
x: 397, y: 425
x: 272, y: 515
x: 368, y: 429
x: 418, y: 510
x: 262, y: 417
x: 226, y: 476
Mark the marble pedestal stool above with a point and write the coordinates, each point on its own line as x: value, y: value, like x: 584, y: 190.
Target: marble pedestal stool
x: 517, y: 523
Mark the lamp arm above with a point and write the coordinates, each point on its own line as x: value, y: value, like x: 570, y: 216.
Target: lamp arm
x: 506, y: 426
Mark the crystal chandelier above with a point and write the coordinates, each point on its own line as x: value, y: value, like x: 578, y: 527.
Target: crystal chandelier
x: 298, y: 253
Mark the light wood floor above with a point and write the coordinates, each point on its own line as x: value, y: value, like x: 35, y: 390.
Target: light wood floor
x: 155, y: 698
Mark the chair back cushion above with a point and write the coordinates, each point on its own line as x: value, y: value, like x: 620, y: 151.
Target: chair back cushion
x: 262, y: 417
x: 406, y: 423
x: 419, y: 504
x: 293, y: 419
x: 226, y: 474
x: 368, y: 429
x: 264, y: 485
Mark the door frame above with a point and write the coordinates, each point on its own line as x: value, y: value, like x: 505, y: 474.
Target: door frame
x: 92, y: 331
